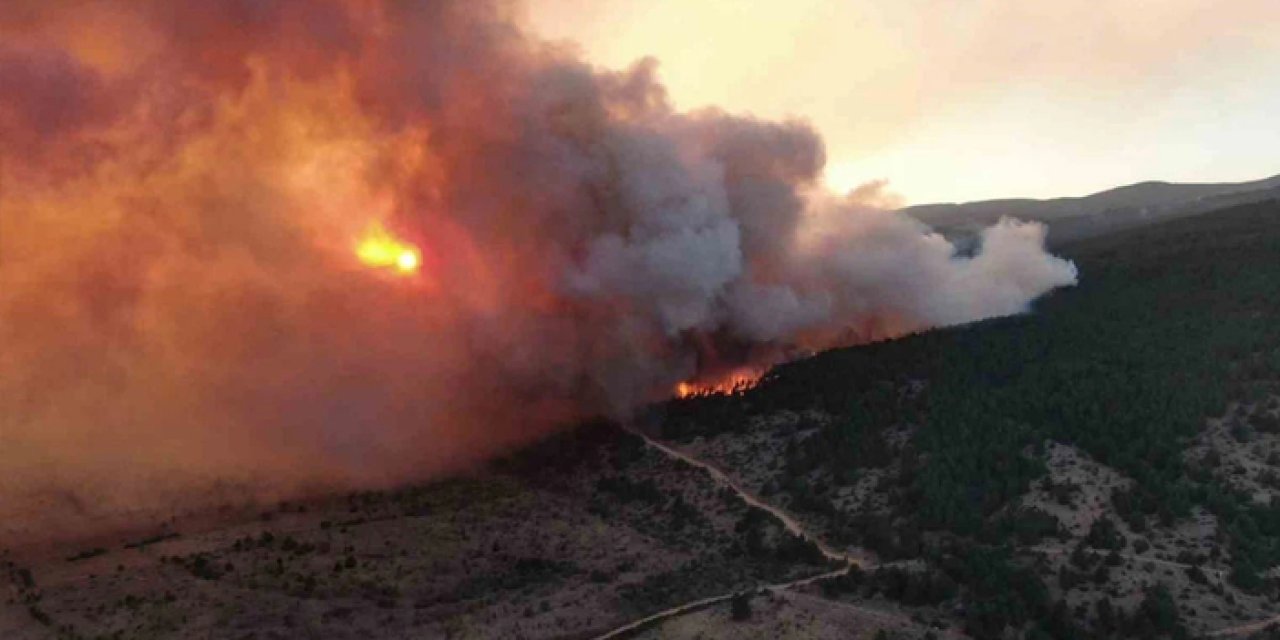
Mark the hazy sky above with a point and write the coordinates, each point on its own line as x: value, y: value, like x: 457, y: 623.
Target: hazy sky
x: 969, y: 99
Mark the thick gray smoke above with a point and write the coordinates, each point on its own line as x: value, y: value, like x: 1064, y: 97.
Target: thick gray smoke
x: 187, y: 318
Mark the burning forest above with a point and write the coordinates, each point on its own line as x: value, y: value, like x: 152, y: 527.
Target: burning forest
x: 249, y: 249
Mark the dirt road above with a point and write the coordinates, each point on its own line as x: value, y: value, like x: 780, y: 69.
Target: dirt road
x: 792, y: 525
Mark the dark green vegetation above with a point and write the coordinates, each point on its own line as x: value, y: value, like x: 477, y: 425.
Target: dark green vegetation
x: 1169, y: 325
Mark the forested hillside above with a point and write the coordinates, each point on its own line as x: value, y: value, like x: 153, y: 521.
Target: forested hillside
x: 1171, y: 328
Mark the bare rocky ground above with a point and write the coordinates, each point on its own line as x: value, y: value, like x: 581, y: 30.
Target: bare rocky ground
x: 1243, y: 448
x: 1187, y: 555
x: 570, y: 540
x: 592, y: 530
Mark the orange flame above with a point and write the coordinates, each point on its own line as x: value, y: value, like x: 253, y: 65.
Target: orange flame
x: 379, y: 249
x: 735, y: 381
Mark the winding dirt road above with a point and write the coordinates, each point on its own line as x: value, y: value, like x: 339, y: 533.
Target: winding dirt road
x: 1247, y: 628
x: 792, y: 525
x: 723, y: 479
x: 698, y: 605
x: 866, y: 562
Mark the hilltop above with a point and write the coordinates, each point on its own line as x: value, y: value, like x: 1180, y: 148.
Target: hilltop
x: 1077, y: 218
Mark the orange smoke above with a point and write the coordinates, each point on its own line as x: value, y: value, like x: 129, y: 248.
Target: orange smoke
x: 249, y: 249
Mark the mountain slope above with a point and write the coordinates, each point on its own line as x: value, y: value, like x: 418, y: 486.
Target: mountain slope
x: 1107, y: 466
x: 1103, y: 467
x: 1099, y: 213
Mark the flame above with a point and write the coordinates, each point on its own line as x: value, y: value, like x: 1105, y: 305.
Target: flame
x: 379, y: 249
x: 735, y: 381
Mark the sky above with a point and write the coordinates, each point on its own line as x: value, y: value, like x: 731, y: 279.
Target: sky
x: 956, y: 100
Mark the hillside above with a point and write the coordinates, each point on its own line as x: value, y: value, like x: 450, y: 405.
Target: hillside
x: 1104, y: 467
x: 1100, y: 213
x: 1122, y: 437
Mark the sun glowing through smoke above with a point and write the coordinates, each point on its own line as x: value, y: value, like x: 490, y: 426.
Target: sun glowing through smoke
x: 407, y: 261
x: 378, y: 248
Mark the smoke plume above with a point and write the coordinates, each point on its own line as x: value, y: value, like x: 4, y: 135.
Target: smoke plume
x: 185, y: 318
